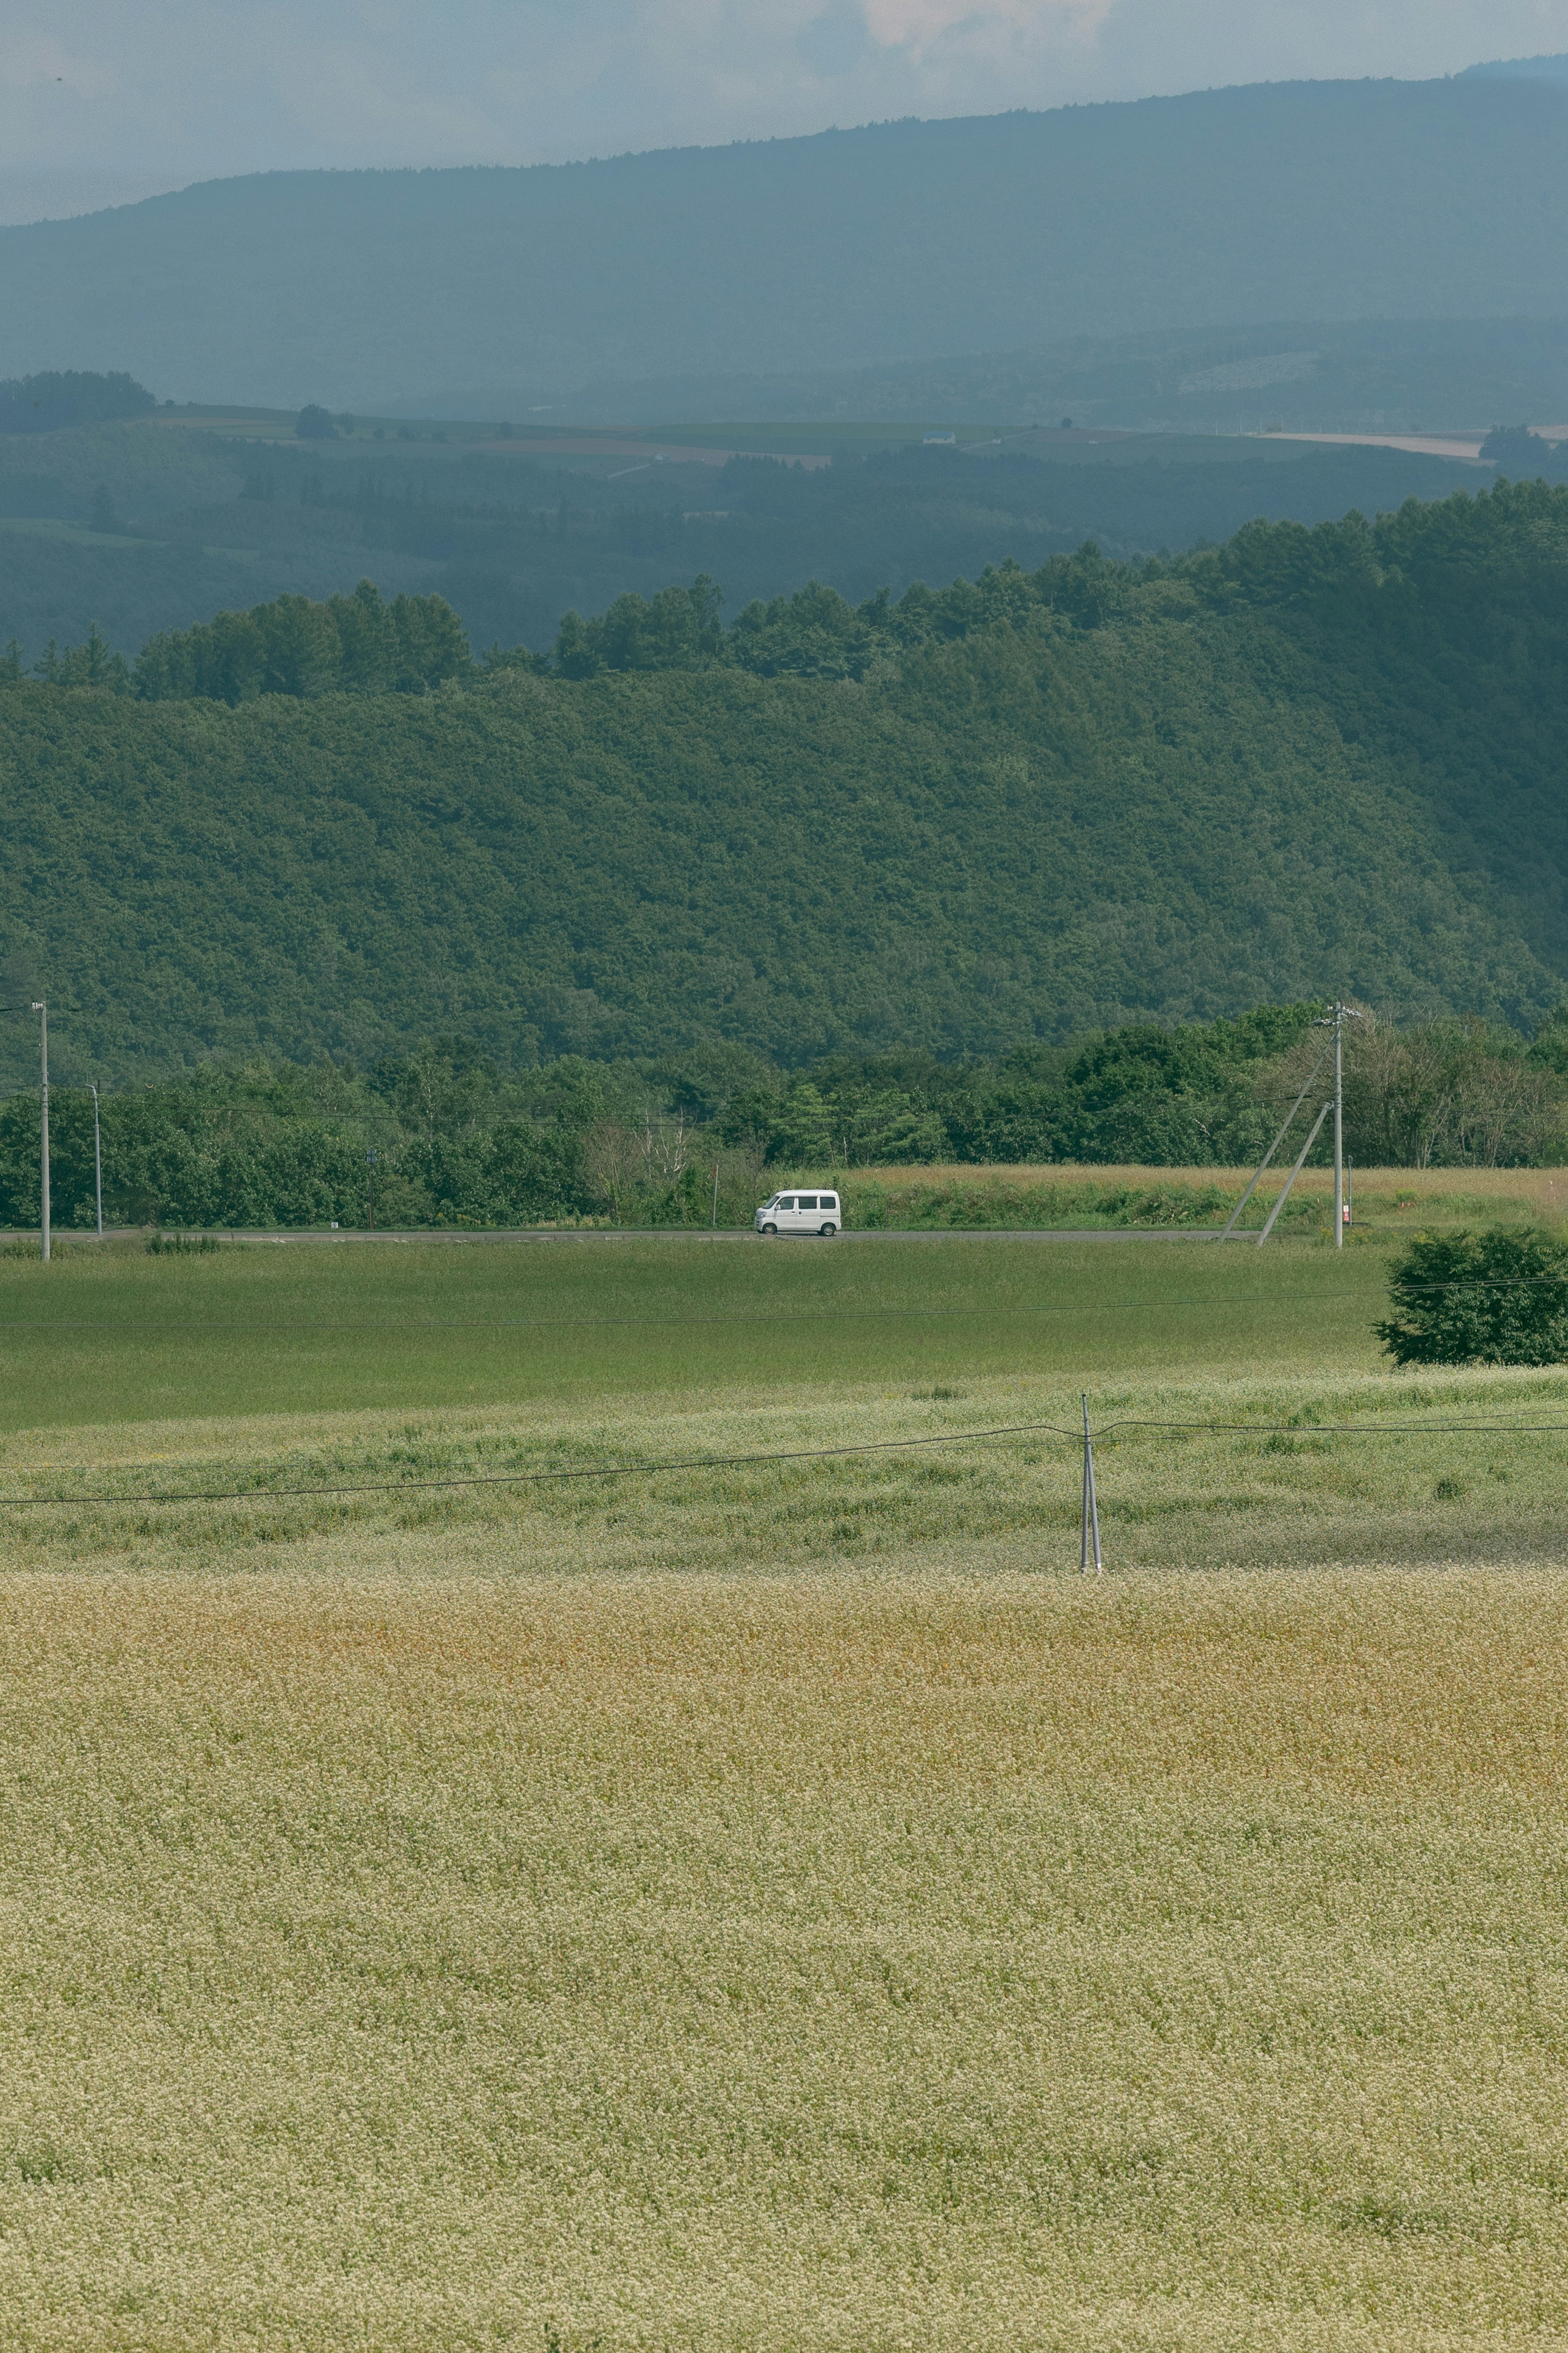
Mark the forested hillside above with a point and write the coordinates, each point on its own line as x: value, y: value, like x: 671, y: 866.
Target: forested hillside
x: 1018, y: 809
x: 907, y: 240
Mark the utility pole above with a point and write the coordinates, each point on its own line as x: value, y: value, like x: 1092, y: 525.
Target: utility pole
x: 42, y: 1011
x: 97, y: 1162
x: 1089, y: 1525
x: 715, y: 1196
x: 1339, y: 1127
x: 1335, y: 1019
x: 370, y: 1163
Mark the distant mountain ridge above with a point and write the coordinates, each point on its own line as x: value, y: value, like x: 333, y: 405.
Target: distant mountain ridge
x: 1548, y: 69
x: 900, y: 240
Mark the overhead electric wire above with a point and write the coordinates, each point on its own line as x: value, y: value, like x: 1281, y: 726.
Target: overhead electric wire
x: 792, y: 1455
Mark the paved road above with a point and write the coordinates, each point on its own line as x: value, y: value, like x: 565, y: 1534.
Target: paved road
x: 678, y: 1234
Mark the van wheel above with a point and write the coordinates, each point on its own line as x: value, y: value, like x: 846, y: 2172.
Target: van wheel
x: 770, y: 1229
x: 827, y: 1232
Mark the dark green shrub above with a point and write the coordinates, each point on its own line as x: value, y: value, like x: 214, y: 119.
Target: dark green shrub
x: 1497, y: 1298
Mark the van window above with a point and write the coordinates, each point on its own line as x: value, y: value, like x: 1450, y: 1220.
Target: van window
x: 806, y: 1201
x: 828, y: 1202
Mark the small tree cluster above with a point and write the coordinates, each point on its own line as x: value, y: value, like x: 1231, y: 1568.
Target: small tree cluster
x: 1446, y: 1094
x: 1496, y: 1298
x: 349, y: 645
x: 44, y: 404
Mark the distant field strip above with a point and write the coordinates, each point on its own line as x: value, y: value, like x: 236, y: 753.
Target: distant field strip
x: 1265, y: 1298
x: 631, y: 1409
x: 991, y: 1313
x: 1103, y: 1434
x: 1196, y: 1473
x: 127, y: 1337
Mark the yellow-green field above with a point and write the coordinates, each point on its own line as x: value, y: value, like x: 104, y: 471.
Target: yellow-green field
x: 777, y: 1903
x: 1387, y: 1201
x: 1470, y: 1192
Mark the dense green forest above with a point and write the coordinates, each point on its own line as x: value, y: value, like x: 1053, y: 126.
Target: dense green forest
x: 1016, y: 809
x: 146, y: 527
x: 443, y: 1136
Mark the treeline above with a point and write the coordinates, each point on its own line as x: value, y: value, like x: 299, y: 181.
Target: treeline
x: 44, y: 404
x: 205, y: 522
x: 442, y: 1137
x: 364, y: 645
x: 347, y: 645
x: 1524, y: 454
x: 433, y: 1138
x: 361, y: 644
x: 1442, y: 1094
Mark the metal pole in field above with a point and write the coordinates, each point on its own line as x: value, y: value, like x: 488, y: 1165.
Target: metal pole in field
x: 1338, y: 1127
x: 97, y: 1162
x: 1090, y: 1524
x: 42, y: 1011
x: 1335, y: 1019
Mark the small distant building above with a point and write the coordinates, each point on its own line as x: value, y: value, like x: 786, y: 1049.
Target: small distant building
x: 941, y: 441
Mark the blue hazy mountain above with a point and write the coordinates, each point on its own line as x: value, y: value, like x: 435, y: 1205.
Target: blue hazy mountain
x: 1553, y: 69
x: 899, y: 241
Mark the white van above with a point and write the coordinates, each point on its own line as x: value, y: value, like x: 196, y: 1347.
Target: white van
x: 799, y: 1213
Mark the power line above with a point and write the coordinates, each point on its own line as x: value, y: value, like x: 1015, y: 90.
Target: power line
x: 538, y: 1478
x: 1347, y: 1429
x: 794, y: 1454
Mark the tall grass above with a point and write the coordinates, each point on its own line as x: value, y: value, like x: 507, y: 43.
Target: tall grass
x: 1197, y: 1472
x: 845, y: 1962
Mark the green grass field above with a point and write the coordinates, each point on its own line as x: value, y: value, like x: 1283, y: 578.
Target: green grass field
x: 128, y: 1337
x: 776, y: 1902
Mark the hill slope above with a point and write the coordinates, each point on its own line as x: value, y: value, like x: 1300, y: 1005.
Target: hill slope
x: 1308, y: 761
x: 906, y: 240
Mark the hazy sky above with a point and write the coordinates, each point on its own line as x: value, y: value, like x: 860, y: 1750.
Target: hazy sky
x: 100, y: 100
